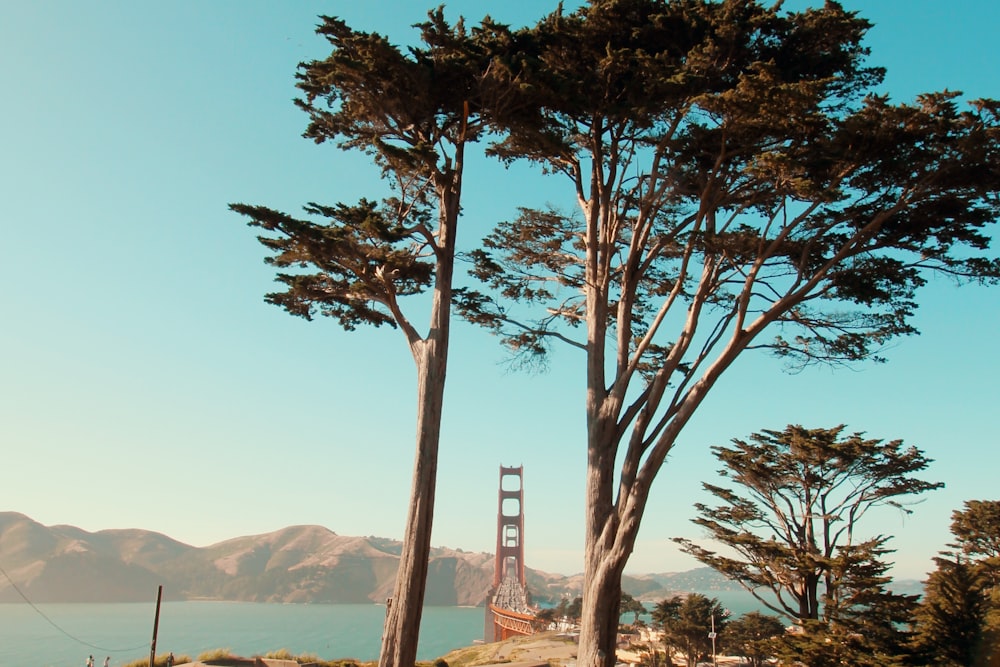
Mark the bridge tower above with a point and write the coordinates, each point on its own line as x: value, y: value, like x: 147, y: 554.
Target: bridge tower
x: 508, y: 613
x: 510, y: 528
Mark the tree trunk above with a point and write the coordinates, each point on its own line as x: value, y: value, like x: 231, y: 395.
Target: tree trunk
x: 599, y: 621
x: 402, y: 624
x: 404, y: 610
x: 609, y: 540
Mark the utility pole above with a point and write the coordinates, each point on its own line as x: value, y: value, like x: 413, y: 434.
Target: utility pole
x: 156, y: 624
x: 712, y: 635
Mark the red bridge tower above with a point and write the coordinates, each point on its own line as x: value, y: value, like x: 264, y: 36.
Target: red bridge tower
x: 508, y: 613
x: 510, y: 529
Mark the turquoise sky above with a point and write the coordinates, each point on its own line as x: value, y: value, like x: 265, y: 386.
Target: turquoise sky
x: 146, y: 383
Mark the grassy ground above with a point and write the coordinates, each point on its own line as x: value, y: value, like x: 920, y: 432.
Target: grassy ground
x: 545, y: 647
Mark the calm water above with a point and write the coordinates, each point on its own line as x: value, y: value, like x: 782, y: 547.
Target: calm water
x: 124, y: 631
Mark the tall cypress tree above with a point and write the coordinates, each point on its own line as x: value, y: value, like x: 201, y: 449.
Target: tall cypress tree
x: 414, y: 112
x: 737, y: 185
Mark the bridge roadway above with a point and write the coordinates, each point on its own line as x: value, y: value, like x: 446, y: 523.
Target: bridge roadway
x: 510, y: 611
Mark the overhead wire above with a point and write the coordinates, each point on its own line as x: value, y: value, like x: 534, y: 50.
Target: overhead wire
x: 60, y: 628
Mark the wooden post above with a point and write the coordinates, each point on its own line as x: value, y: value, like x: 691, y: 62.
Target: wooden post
x: 156, y: 625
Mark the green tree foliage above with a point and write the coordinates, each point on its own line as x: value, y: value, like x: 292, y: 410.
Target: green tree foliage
x: 569, y: 609
x: 977, y: 530
x: 958, y: 620
x: 821, y: 644
x: 737, y: 186
x: 868, y: 617
x: 750, y: 635
x: 414, y: 112
x: 686, y: 623
x: 629, y: 605
x: 544, y: 618
x: 791, y: 518
x: 950, y: 622
x: 977, y: 533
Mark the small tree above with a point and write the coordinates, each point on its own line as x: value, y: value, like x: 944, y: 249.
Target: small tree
x: 951, y: 618
x: 569, y: 609
x: 544, y: 618
x: 791, y: 518
x: 749, y: 636
x: 958, y: 620
x: 629, y: 605
x: 687, y: 622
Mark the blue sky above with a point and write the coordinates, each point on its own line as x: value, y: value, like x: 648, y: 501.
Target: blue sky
x: 146, y: 383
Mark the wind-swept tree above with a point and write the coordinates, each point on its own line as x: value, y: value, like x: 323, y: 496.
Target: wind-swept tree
x: 414, y: 112
x: 790, y: 519
x: 737, y: 187
x: 864, y: 624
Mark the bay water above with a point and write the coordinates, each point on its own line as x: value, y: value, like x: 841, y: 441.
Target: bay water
x: 54, y: 635
x: 58, y: 635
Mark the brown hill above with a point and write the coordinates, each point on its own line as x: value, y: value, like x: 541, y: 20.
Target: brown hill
x: 295, y: 564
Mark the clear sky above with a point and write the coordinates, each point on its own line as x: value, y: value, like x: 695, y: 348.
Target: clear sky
x: 146, y: 384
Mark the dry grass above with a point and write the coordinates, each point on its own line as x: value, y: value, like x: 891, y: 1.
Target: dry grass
x: 547, y: 647
x: 161, y: 661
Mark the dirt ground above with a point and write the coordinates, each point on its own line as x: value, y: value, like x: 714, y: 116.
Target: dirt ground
x: 541, y: 650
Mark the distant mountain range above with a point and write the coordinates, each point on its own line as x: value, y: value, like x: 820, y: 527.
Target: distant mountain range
x: 296, y: 564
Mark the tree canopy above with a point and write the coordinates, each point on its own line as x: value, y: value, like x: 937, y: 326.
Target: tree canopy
x: 413, y: 112
x: 791, y: 517
x: 737, y: 185
x: 951, y: 619
x: 958, y: 619
x: 750, y: 635
x: 977, y: 530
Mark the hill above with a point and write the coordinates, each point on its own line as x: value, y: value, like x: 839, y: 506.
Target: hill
x: 295, y: 564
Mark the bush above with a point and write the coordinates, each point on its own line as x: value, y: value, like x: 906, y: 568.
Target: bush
x: 282, y: 654
x: 161, y: 661
x: 304, y: 658
x: 216, y: 655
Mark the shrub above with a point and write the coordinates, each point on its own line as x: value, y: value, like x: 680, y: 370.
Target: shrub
x: 216, y: 654
x: 161, y: 661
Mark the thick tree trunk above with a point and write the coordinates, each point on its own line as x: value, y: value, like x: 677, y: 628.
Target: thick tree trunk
x: 606, y: 551
x: 599, y: 621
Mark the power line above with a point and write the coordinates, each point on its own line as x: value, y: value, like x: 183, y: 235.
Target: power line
x: 59, y: 628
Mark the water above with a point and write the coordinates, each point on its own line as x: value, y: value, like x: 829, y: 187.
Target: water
x: 124, y: 631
